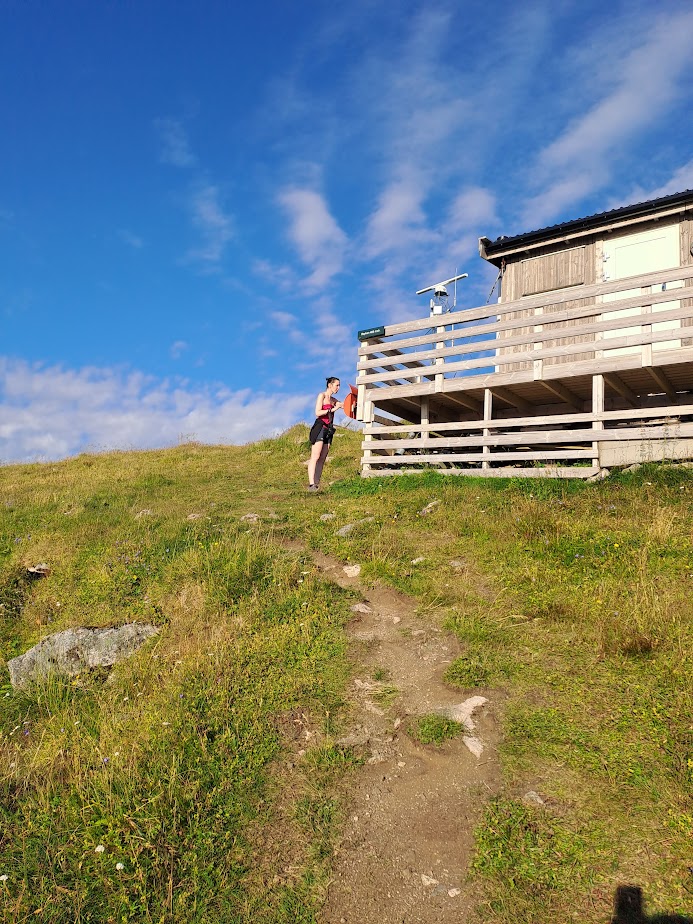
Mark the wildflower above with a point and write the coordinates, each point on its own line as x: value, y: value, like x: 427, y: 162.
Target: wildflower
x: 99, y: 849
x: 4, y: 877
x: 120, y: 866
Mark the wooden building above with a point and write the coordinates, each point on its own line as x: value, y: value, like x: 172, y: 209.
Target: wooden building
x: 583, y: 363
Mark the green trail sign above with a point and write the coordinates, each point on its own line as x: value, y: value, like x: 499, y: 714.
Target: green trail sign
x: 371, y: 332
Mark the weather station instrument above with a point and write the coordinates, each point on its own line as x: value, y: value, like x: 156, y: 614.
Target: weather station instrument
x: 439, y: 301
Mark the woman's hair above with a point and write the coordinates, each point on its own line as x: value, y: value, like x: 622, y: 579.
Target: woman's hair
x: 332, y: 378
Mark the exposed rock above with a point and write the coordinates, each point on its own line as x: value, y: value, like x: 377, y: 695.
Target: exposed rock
x: 474, y: 744
x: 345, y: 530
x: 429, y: 508
x: 463, y: 712
x: 352, y: 570
x: 361, y: 608
x: 41, y: 570
x: 428, y: 881
x: 457, y: 565
x: 633, y: 468
x: 327, y: 516
x: 600, y: 475
x: 533, y: 798
x: 194, y: 516
x: 250, y: 518
x: 76, y: 650
x: 417, y: 561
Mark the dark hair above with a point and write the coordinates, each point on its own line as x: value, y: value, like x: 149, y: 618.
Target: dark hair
x: 330, y: 379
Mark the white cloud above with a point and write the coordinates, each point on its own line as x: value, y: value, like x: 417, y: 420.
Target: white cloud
x: 175, y: 147
x: 132, y: 240
x: 680, y: 180
x: 399, y: 220
x: 643, y: 89
x: 283, y: 319
x: 320, y: 242
x: 177, y: 349
x: 213, y: 223
x: 52, y: 412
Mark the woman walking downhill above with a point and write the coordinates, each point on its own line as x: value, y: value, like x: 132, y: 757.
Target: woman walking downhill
x: 322, y: 431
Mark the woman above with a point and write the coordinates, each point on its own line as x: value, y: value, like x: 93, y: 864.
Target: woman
x: 322, y: 431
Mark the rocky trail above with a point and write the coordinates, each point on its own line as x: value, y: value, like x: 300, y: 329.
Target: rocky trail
x: 408, y: 838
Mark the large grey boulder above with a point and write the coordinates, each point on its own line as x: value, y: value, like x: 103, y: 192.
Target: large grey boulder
x: 75, y: 650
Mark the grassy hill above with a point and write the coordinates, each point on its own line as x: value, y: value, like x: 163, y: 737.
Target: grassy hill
x: 207, y: 766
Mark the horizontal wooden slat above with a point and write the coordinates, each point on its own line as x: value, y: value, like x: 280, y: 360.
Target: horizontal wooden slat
x: 546, y: 472
x: 441, y: 458
x: 528, y: 438
x: 671, y: 410
x: 495, y: 379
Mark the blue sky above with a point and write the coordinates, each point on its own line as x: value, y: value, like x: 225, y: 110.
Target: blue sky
x: 200, y: 204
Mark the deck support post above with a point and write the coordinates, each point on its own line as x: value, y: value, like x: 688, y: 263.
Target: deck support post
x: 488, y: 414
x: 425, y: 419
x: 368, y: 417
x: 597, y: 408
x: 439, y: 361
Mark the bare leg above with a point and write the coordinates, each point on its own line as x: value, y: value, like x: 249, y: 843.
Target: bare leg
x: 321, y: 462
x: 315, y: 452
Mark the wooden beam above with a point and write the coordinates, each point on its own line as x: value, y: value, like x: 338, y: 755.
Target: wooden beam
x: 660, y: 378
x: 565, y: 394
x: 511, y: 398
x: 466, y: 401
x: 613, y: 381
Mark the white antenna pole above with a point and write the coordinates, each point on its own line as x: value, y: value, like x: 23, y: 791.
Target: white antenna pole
x: 454, y: 300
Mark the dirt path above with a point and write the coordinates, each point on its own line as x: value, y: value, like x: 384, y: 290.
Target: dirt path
x: 408, y: 837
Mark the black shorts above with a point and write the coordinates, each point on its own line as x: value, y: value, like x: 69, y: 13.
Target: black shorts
x: 321, y: 432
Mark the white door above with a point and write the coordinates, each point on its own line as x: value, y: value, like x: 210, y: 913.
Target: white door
x: 632, y: 255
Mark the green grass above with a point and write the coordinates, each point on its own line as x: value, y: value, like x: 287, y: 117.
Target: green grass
x: 434, y: 729
x: 571, y: 603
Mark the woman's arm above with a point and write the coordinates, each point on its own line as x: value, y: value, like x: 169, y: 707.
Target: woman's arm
x: 318, y: 404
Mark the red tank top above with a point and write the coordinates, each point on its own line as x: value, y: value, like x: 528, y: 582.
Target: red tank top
x: 327, y: 418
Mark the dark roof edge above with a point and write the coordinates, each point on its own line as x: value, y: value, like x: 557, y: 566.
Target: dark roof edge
x: 491, y: 250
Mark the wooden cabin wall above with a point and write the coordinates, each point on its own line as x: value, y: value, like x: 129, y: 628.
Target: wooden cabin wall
x: 556, y: 269
x: 686, y: 259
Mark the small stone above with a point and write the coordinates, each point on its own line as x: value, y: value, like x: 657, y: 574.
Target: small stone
x: 250, y: 518
x: 345, y: 530
x: 401, y: 763
x: 352, y: 571
x: 453, y: 893
x: 361, y: 608
x: 41, y: 570
x: 396, y: 619
x: 457, y: 565
x: 194, y: 516
x: 428, y: 881
x: 417, y: 561
x: 533, y: 798
x: 428, y: 508
x: 473, y: 744
x: 327, y: 516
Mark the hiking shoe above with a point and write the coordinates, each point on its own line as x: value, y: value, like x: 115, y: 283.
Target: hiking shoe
x: 312, y: 487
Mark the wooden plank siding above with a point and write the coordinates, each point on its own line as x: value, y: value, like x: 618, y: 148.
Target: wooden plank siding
x: 545, y: 273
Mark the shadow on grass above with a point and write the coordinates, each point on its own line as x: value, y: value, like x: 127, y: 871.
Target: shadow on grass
x: 629, y: 909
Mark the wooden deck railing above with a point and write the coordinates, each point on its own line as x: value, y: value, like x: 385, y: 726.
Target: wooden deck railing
x: 424, y: 355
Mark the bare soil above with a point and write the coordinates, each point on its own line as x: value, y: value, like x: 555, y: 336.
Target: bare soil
x: 408, y: 838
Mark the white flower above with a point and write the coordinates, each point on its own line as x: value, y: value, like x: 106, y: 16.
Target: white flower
x: 120, y: 866
x: 4, y: 877
x: 99, y: 849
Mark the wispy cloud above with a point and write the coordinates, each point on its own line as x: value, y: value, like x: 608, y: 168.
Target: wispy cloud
x: 643, y: 89
x: 313, y: 231
x: 214, y: 224
x: 132, y: 240
x: 52, y: 412
x: 175, y: 147
x: 177, y: 348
